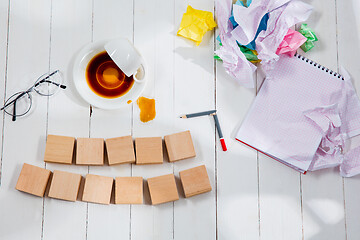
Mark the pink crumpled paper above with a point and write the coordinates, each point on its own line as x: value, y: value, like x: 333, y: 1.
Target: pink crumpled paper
x: 280, y: 20
x: 291, y: 42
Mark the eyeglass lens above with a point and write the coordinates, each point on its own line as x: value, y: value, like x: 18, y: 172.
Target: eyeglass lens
x: 18, y: 104
x: 49, y: 83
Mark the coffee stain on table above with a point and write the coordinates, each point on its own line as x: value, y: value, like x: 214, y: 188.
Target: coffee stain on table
x: 147, y: 109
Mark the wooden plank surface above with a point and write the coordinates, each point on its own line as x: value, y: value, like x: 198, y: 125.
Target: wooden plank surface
x: 194, y: 90
x: 237, y: 169
x: 284, y: 207
x: 111, y: 19
x: 322, y: 191
x: 280, y: 203
x: 154, y: 37
x: 26, y: 61
x: 348, y: 28
x: 68, y: 113
x: 4, y: 13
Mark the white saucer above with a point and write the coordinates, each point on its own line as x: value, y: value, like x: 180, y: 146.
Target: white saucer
x: 79, y: 78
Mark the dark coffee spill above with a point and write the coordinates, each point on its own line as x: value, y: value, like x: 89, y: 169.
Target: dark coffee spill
x: 105, y: 78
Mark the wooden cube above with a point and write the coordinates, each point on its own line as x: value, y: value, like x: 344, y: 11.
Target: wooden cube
x: 179, y: 146
x: 195, y: 181
x: 128, y: 190
x: 33, y: 180
x: 90, y: 151
x: 59, y: 149
x: 163, y: 189
x: 149, y: 150
x: 64, y: 185
x: 120, y: 150
x: 97, y: 189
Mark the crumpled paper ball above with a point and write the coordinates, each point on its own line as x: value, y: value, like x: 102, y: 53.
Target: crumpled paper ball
x: 195, y: 23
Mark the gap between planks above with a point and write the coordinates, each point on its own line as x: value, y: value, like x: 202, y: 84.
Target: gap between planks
x: 5, y: 83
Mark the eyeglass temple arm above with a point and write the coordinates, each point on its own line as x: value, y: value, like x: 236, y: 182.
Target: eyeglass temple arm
x: 14, y: 111
x: 47, y: 81
x: 44, y: 80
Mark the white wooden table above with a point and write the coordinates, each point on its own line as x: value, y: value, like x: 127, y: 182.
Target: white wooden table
x: 253, y: 197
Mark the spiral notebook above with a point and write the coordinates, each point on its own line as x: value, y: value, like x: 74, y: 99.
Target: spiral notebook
x: 277, y: 124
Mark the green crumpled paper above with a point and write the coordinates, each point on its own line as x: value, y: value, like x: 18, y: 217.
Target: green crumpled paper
x: 251, y: 55
x: 310, y: 35
x: 195, y: 23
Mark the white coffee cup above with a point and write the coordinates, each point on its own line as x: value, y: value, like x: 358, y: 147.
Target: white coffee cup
x: 127, y: 58
x: 81, y: 62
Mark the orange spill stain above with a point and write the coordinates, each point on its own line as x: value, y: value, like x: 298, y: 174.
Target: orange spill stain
x: 128, y: 102
x: 147, y: 109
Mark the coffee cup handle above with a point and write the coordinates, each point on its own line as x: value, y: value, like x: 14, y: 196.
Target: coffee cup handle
x: 139, y: 76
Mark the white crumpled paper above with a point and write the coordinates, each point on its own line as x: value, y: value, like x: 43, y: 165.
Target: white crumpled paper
x: 283, y: 14
x: 234, y: 61
x: 338, y: 122
x: 249, y: 18
x: 329, y: 153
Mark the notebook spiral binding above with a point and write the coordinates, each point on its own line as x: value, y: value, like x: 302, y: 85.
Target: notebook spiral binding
x: 331, y: 72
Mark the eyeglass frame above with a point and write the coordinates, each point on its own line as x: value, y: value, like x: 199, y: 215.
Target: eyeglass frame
x: 28, y: 91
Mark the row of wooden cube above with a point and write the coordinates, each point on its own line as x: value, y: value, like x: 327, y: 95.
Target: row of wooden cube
x: 90, y: 151
x: 98, y: 189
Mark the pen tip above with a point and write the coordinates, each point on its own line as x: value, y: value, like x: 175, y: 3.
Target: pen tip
x: 184, y: 116
x: 223, y: 145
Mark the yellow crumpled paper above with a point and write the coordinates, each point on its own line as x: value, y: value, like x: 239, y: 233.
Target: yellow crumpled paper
x: 195, y: 23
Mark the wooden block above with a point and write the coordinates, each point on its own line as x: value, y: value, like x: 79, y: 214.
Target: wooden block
x: 90, y: 151
x: 97, y: 189
x: 179, y: 146
x: 195, y: 181
x: 59, y: 149
x: 64, y: 185
x: 149, y: 150
x: 163, y: 189
x: 33, y: 180
x: 128, y: 190
x: 120, y: 150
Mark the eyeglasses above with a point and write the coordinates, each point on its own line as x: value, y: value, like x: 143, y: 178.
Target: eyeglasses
x: 20, y: 103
